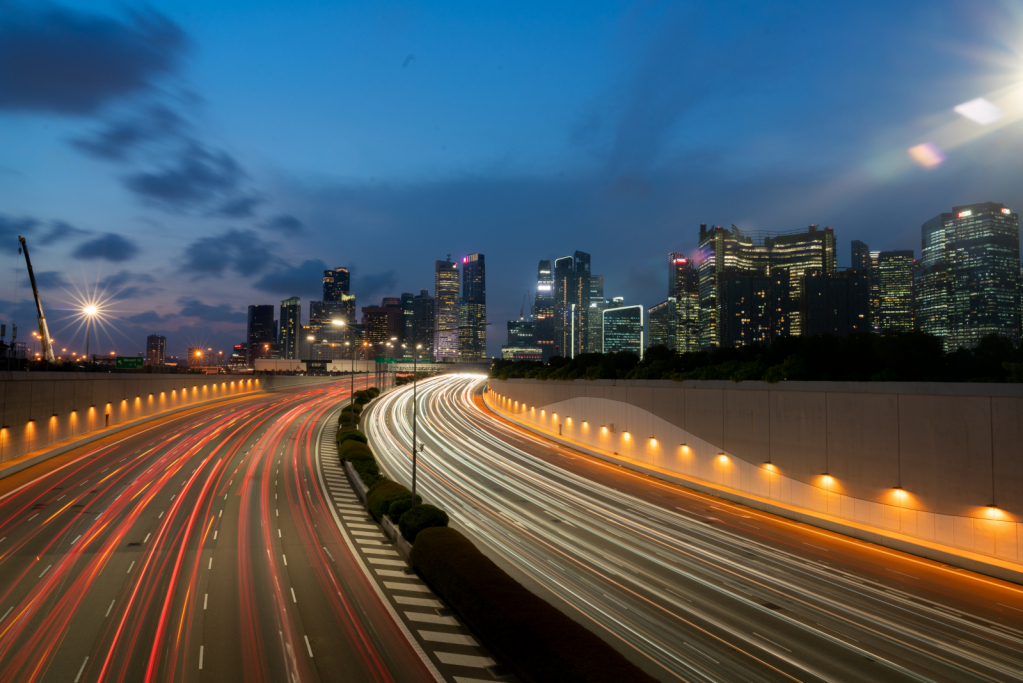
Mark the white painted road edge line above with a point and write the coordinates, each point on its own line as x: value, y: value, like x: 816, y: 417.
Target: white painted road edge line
x: 201, y: 648
x: 81, y: 669
x: 307, y: 646
x: 427, y: 662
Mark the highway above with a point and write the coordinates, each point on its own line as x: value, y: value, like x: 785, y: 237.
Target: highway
x: 195, y: 548
x: 688, y: 586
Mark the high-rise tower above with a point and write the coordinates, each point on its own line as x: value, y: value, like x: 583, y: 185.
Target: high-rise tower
x: 543, y: 309
x: 472, y: 329
x: 571, y: 303
x: 261, y: 333
x: 291, y: 327
x: 445, y: 338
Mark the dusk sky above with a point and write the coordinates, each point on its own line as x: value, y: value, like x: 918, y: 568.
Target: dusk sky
x: 191, y: 158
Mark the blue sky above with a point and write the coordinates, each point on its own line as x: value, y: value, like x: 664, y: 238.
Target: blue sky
x: 192, y: 158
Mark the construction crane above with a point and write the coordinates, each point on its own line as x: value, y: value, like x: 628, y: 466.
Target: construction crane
x: 44, y: 333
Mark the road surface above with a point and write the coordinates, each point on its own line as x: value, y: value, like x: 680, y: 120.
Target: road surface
x: 687, y: 585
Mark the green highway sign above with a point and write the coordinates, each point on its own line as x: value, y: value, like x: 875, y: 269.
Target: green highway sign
x: 128, y: 362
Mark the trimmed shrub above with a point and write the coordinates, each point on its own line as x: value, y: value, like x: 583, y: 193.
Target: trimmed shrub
x: 368, y: 470
x: 400, y: 504
x: 362, y: 400
x: 348, y: 449
x: 380, y: 497
x: 421, y: 517
x: 373, y: 392
x: 348, y: 419
x: 352, y: 408
x: 351, y: 435
x: 530, y: 635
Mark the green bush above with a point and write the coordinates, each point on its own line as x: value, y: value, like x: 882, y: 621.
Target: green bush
x: 373, y: 392
x: 351, y: 435
x: 348, y: 449
x: 421, y: 517
x: 348, y: 420
x: 352, y: 408
x: 535, y: 639
x: 400, y: 504
x: 368, y: 470
x: 381, y: 497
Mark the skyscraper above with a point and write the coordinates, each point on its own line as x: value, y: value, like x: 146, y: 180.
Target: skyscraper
x: 860, y: 256
x: 543, y: 309
x: 472, y: 329
x: 838, y: 304
x: 662, y: 324
x: 156, y: 349
x: 894, y: 274
x: 571, y: 303
x: 521, y: 341
x: 623, y: 330
x: 336, y: 291
x: 969, y: 279
x: 407, y: 322
x: 595, y: 331
x: 726, y: 253
x: 445, y: 339
x: 384, y: 325
x: 261, y: 333
x: 682, y: 274
x: 291, y: 327
x: 423, y: 316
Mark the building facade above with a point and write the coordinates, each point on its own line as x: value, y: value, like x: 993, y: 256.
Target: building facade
x: 445, y: 339
x: 837, y: 304
x: 472, y: 327
x: 291, y: 327
x: 894, y: 276
x: 423, y: 317
x: 156, y: 349
x: 623, y: 330
x: 261, y: 333
x: 594, y: 331
x: 662, y: 324
x: 543, y: 309
x: 571, y: 303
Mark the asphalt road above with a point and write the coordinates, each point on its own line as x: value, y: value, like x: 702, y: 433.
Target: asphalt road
x: 199, y: 547
x: 686, y: 585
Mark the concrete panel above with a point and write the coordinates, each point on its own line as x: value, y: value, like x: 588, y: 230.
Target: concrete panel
x: 747, y: 424
x: 1007, y: 425
x: 798, y: 434
x: 863, y: 443
x: 704, y: 415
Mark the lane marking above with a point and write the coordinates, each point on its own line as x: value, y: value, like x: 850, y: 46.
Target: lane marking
x: 997, y: 603
x: 285, y: 559
x: 770, y: 641
x: 6, y: 613
x: 211, y: 564
x: 308, y: 646
x: 278, y: 533
x: 293, y: 598
x: 161, y: 514
x: 214, y: 534
x: 45, y: 570
x: 201, y: 648
x: 130, y: 567
x: 813, y: 546
x: 147, y: 537
x: 76, y: 539
x: 109, y: 608
x: 33, y: 517
x: 903, y: 573
x: 81, y: 669
x: 205, y: 600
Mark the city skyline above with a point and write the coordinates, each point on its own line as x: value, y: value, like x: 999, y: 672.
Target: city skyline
x: 187, y: 252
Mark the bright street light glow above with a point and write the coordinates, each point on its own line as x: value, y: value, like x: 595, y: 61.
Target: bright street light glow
x: 89, y: 310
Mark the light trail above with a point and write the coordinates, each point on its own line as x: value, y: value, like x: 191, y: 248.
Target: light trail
x: 673, y: 585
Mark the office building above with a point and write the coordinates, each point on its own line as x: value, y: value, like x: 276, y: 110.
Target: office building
x: 260, y: 333
x: 407, y: 322
x: 521, y: 341
x: 385, y: 326
x: 861, y: 260
x: 623, y: 330
x: 156, y: 349
x: 291, y: 327
x: 571, y: 303
x: 335, y: 283
x: 754, y: 308
x: 445, y: 338
x: 661, y: 324
x: 968, y: 282
x: 543, y: 309
x: 682, y: 275
x: 729, y: 253
x: 838, y: 304
x: 894, y: 276
x: 423, y: 316
x: 687, y: 322
x: 594, y: 331
x: 472, y: 326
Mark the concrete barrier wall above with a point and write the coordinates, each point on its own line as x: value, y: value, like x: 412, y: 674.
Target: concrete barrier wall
x: 42, y: 408
x: 921, y: 459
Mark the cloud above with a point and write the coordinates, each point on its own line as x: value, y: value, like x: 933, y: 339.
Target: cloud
x: 197, y: 177
x: 146, y: 318
x: 61, y: 60
x: 51, y: 279
x: 368, y: 285
x: 284, y: 223
x: 11, y: 228
x: 61, y: 230
x: 109, y: 247
x: 304, y: 280
x: 242, y: 207
x: 117, y: 140
x: 124, y: 285
x: 222, y: 313
x: 242, y: 251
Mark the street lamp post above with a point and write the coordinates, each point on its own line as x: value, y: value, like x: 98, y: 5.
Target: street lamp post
x: 90, y: 312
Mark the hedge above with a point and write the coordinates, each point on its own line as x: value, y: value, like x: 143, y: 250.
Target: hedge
x: 536, y: 640
x: 373, y: 392
x: 348, y: 449
x: 378, y: 498
x: 367, y: 467
x: 350, y: 435
x: 348, y: 419
x: 421, y: 517
x: 401, y: 504
x: 352, y: 408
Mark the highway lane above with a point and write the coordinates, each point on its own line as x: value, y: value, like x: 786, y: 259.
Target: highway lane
x: 200, y: 548
x: 687, y: 585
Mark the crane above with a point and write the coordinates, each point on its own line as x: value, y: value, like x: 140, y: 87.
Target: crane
x: 44, y: 333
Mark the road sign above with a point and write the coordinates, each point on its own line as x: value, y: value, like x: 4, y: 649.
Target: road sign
x: 128, y: 362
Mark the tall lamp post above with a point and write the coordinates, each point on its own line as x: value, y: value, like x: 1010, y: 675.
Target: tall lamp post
x: 90, y: 313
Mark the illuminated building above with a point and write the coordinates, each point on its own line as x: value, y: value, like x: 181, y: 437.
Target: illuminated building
x: 860, y: 256
x: 571, y: 303
x: 623, y: 330
x: 335, y: 283
x: 261, y: 331
x: 291, y: 327
x: 423, y: 312
x: 472, y: 329
x: 595, y: 331
x: 838, y: 304
x: 682, y: 275
x: 661, y: 324
x: 543, y: 309
x: 968, y: 282
x: 445, y: 336
x: 383, y: 324
x: 687, y: 322
x: 729, y: 253
x: 754, y: 308
x: 156, y: 349
x: 894, y: 275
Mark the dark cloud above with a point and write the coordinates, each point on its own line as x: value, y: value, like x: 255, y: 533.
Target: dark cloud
x: 242, y: 251
x: 408, y: 60
x: 197, y: 177
x: 109, y: 247
x: 222, y: 313
x: 61, y: 231
x: 146, y: 318
x: 11, y: 228
x: 62, y: 60
x: 304, y: 280
x: 368, y: 286
x: 289, y: 225
x: 117, y: 140
x: 51, y: 279
x: 125, y: 285
x: 242, y: 207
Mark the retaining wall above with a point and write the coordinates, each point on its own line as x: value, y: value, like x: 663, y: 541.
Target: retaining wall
x: 938, y: 462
